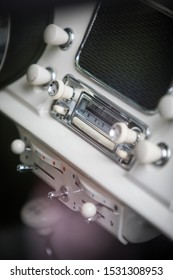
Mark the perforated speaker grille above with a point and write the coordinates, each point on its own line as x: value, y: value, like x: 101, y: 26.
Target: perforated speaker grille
x: 129, y: 49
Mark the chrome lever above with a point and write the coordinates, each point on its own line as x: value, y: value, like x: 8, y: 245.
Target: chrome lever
x: 22, y: 168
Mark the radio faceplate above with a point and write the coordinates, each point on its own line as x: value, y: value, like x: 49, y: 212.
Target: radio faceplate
x: 92, y: 116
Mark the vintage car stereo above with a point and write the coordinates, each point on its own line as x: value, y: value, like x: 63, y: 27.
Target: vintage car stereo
x: 94, y: 118
x: 94, y: 114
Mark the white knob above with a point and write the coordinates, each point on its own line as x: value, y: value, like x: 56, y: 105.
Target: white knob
x: 57, y: 90
x: 41, y: 215
x: 120, y: 133
x: 59, y: 109
x: 38, y: 75
x: 55, y: 35
x: 88, y: 210
x: 148, y: 152
x: 122, y: 154
x: 17, y: 146
x: 165, y: 107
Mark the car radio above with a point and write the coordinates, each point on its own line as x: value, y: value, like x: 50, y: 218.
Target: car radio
x: 93, y: 117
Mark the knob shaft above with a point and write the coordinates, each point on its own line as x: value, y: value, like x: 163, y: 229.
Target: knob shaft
x: 165, y: 107
x: 38, y: 75
x: 148, y: 152
x: 55, y: 35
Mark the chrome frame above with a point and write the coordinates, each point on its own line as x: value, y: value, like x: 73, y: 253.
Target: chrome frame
x: 71, y: 105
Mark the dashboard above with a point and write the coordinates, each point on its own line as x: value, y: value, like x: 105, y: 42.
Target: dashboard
x: 92, y: 101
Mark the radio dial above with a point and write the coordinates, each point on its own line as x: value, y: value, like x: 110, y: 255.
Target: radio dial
x: 165, y: 107
x: 57, y: 90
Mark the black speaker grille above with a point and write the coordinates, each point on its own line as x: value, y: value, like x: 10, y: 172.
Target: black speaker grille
x: 129, y: 49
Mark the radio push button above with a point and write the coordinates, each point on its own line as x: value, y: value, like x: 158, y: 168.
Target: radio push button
x: 94, y: 134
x: 124, y: 155
x: 60, y: 110
x: 55, y: 35
x: 58, y: 90
x: 38, y: 75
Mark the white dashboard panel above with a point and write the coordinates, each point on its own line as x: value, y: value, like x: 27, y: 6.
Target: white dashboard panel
x: 145, y: 189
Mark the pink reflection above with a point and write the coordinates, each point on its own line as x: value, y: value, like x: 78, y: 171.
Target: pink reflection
x: 56, y: 232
